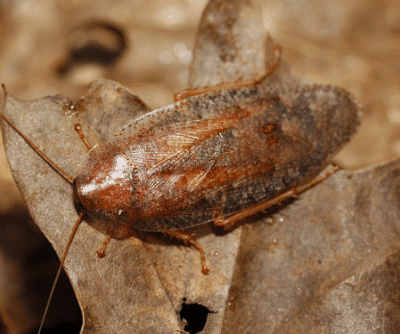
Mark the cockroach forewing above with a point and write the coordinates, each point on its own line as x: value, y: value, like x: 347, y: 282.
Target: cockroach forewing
x: 230, y: 170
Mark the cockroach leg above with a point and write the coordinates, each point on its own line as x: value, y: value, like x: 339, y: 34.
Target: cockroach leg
x: 230, y: 221
x: 271, y: 68
x: 188, y: 240
x: 102, y: 252
x: 183, y: 94
x: 217, y: 216
x: 78, y: 128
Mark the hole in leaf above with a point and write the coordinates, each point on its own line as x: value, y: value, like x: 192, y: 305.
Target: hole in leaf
x: 194, y: 316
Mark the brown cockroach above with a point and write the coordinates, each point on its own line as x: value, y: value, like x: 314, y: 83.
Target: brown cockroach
x: 246, y: 151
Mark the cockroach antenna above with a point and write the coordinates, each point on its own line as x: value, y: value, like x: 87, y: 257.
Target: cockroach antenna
x: 66, y: 249
x: 70, y: 179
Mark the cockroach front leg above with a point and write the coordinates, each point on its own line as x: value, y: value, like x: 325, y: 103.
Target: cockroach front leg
x: 183, y: 94
x: 230, y: 221
x: 188, y: 240
x: 102, y: 252
x: 78, y: 129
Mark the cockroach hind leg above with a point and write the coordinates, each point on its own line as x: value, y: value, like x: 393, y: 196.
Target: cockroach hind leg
x: 271, y: 68
x: 183, y: 94
x: 228, y: 222
x: 102, y: 252
x: 189, y: 240
x: 220, y: 221
x: 225, y: 222
x: 218, y: 218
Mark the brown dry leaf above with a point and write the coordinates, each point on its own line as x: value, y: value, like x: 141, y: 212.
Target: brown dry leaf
x: 328, y: 263
x: 126, y: 281
x: 49, y: 197
x: 314, y: 260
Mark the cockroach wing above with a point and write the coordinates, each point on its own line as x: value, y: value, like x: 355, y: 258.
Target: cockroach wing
x: 224, y: 171
x: 253, y: 151
x: 180, y: 170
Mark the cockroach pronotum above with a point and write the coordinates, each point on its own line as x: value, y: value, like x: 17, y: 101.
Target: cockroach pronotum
x: 248, y: 149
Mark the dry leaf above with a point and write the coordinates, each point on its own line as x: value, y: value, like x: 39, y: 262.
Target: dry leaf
x: 328, y: 262
x: 308, y: 268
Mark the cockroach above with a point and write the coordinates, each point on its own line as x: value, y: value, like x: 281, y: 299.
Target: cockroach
x: 246, y: 150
